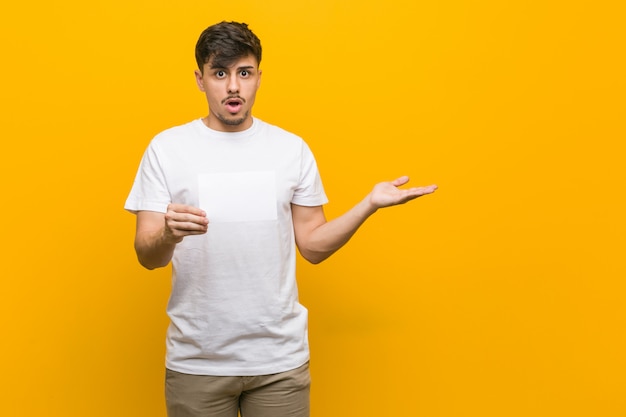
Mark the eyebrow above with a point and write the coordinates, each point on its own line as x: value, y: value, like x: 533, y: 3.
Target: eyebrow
x: 244, y: 67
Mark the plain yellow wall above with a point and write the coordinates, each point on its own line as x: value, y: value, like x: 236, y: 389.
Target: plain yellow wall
x: 501, y: 295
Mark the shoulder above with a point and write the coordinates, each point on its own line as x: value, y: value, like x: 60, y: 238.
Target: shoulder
x: 281, y: 140
x: 186, y: 130
x: 277, y: 132
x: 175, y: 139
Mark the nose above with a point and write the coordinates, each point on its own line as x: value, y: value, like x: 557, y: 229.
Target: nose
x: 233, y: 85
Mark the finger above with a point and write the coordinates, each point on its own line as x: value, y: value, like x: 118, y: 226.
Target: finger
x: 180, y: 233
x: 418, y: 191
x: 187, y: 227
x: 174, y: 217
x: 184, y: 228
x: 184, y: 208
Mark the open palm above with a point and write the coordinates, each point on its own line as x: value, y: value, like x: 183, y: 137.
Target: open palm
x: 387, y: 194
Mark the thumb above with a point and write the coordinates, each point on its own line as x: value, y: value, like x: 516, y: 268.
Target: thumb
x: 400, y: 181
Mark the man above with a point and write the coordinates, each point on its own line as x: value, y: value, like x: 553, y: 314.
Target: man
x: 227, y: 198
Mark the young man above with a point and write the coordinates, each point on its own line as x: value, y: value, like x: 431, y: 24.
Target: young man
x: 227, y: 198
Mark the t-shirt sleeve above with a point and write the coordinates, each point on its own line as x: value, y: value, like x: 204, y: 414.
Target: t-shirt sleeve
x: 149, y: 191
x: 310, y: 191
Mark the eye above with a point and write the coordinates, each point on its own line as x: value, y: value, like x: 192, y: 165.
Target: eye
x: 244, y: 73
x: 220, y: 74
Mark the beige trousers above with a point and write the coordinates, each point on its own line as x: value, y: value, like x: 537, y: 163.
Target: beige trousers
x: 279, y: 395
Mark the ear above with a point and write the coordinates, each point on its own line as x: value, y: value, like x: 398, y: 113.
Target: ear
x: 198, y: 75
x: 258, y: 82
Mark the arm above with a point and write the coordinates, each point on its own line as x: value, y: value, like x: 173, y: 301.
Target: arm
x: 158, y: 233
x: 317, y: 239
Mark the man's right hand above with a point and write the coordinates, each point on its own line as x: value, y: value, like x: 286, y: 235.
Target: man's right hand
x: 182, y: 220
x: 158, y: 233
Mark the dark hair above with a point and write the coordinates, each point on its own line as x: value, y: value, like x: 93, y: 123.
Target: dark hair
x: 226, y: 42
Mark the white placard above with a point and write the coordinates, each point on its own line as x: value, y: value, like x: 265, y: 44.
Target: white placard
x: 238, y: 196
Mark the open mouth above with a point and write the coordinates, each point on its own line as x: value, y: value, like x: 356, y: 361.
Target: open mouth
x: 233, y: 104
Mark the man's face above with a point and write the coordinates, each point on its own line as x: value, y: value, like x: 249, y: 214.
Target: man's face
x: 230, y: 93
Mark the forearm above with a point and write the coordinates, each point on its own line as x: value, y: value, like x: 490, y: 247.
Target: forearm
x: 154, y: 249
x: 329, y: 237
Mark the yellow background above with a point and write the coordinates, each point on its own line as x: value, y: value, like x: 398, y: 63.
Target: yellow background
x: 501, y: 295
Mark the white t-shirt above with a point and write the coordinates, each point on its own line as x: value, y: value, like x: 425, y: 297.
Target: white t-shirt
x: 234, y: 306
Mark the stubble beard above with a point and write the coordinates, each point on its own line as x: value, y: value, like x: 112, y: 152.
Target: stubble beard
x: 233, y: 122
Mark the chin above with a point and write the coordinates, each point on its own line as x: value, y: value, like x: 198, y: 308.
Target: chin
x: 236, y: 121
